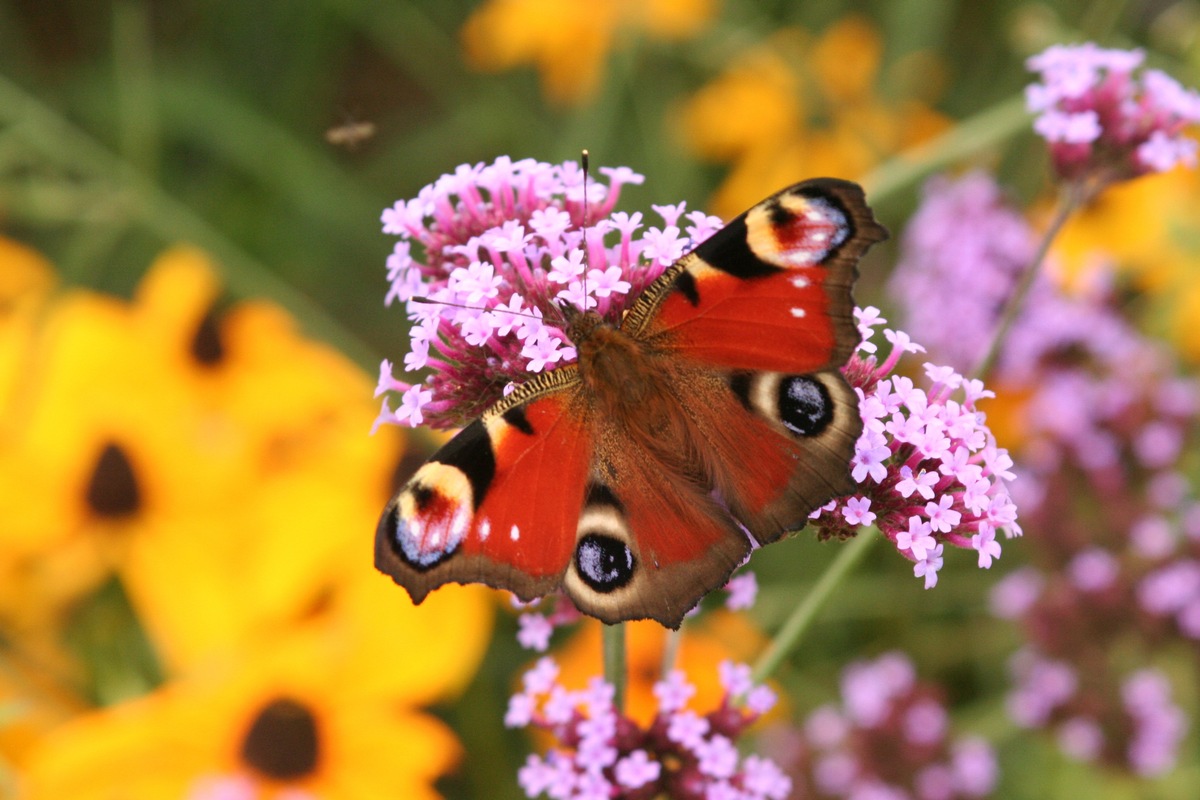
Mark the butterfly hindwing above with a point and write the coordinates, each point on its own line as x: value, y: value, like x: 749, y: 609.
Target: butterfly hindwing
x: 499, y: 503
x: 651, y: 541
x: 772, y: 289
x: 780, y: 446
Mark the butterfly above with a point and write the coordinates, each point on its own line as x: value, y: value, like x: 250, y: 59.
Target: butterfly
x: 712, y: 418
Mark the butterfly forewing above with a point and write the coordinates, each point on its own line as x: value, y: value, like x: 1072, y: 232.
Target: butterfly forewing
x: 772, y: 289
x: 499, y: 504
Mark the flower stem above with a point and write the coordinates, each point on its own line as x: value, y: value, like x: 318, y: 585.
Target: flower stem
x: 671, y: 650
x: 965, y: 138
x: 614, y: 662
x: 1070, y: 199
x: 802, y: 617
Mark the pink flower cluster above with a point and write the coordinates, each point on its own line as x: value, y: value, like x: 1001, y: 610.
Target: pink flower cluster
x: 928, y: 468
x: 962, y: 253
x: 889, y: 740
x: 601, y: 754
x: 1134, y: 724
x: 1105, y: 416
x: 497, y: 249
x: 1103, y: 122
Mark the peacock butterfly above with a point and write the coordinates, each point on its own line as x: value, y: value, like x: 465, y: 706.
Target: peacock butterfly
x: 712, y: 418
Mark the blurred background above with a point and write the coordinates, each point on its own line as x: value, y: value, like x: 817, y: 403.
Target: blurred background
x: 191, y: 321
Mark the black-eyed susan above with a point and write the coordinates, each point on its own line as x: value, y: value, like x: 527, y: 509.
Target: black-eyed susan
x: 569, y: 40
x: 150, y: 442
x: 297, y: 716
x: 306, y: 478
x: 73, y: 442
x: 796, y: 104
x: 148, y: 438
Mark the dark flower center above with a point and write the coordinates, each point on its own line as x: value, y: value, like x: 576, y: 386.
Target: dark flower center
x: 283, y: 741
x: 112, y: 491
x: 207, y: 347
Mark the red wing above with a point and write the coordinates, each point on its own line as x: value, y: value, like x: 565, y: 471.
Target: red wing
x: 778, y: 446
x: 769, y: 291
x: 498, y: 504
x: 652, y: 541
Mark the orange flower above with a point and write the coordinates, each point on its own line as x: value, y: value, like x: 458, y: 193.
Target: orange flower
x: 153, y: 433
x: 569, y: 40
x: 798, y: 106
x: 706, y: 642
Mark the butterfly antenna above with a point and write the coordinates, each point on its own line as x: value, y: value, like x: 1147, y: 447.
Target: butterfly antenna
x: 431, y: 302
x: 583, y: 162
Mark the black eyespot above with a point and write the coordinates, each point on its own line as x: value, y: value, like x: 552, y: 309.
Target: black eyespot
x: 422, y: 495
x: 805, y: 407
x: 598, y: 494
x: 603, y: 562
x: 283, y: 741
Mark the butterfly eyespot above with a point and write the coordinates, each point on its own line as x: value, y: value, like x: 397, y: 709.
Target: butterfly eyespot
x: 805, y: 407
x: 798, y: 230
x: 430, y: 517
x: 605, y: 563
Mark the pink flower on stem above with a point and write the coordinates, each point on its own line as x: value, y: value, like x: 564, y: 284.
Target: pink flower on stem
x: 1103, y: 121
x: 680, y: 754
x: 929, y: 469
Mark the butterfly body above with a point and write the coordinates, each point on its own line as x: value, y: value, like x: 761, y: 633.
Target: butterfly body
x: 713, y: 417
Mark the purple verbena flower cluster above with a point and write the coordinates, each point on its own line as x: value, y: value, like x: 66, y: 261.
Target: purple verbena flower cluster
x: 1098, y: 717
x: 889, y: 740
x: 962, y: 253
x: 497, y: 249
x: 1101, y: 391
x: 928, y: 468
x: 601, y: 754
x: 1103, y: 122
x: 1105, y: 416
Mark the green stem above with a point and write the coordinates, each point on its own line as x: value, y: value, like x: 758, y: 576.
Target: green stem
x: 802, y: 617
x: 615, y: 668
x: 964, y: 139
x: 1071, y: 198
x: 671, y: 650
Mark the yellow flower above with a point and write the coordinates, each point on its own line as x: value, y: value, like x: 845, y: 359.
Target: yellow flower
x: 26, y: 280
x: 32, y: 703
x: 220, y: 464
x: 569, y: 40
x: 305, y: 715
x: 1147, y: 229
x: 794, y: 106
